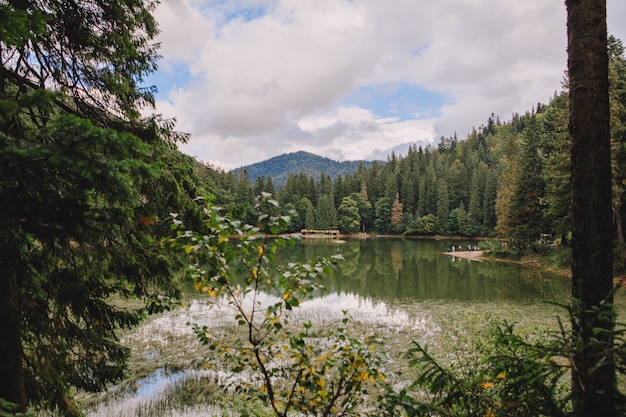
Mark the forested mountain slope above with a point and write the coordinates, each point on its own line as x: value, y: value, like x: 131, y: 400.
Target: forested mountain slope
x: 508, y: 179
x: 279, y: 167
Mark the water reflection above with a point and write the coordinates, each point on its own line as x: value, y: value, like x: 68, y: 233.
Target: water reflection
x: 403, y: 290
x: 395, y: 269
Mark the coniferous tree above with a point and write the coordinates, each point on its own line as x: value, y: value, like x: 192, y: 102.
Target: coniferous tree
x: 85, y: 183
x: 443, y: 208
x: 473, y: 219
x: 558, y: 194
x: 617, y: 96
x: 325, y: 213
x: 421, y: 202
x: 489, y: 202
x: 508, y: 179
x: 365, y: 209
x: 430, y: 190
x: 528, y: 200
x: 382, y: 208
x: 461, y: 218
x: 307, y: 211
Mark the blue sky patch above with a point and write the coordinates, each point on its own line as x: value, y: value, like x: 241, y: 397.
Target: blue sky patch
x: 177, y: 76
x: 403, y: 101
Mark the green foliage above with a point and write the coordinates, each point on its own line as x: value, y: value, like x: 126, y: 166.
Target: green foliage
x: 507, y: 373
x: 9, y: 409
x: 382, y: 218
x: 280, y: 167
x: 348, y: 215
x: 322, y: 372
x: 424, y: 225
x: 85, y: 184
x: 325, y: 213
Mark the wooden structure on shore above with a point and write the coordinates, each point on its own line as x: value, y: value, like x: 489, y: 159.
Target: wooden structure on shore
x: 325, y: 233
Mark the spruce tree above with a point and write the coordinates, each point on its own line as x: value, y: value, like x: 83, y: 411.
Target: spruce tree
x: 528, y: 199
x: 85, y: 183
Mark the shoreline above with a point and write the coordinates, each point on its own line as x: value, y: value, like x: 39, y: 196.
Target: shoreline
x: 472, y: 255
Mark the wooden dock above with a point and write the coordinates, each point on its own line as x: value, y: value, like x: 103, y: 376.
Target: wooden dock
x: 320, y: 232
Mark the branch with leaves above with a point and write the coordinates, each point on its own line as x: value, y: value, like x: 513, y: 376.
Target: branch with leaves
x: 321, y: 372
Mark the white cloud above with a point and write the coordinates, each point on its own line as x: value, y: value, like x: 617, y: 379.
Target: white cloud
x: 264, y: 77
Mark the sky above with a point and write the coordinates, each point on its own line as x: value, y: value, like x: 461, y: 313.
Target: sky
x: 353, y: 79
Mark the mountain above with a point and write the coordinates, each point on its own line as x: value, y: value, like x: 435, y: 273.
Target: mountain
x: 279, y: 167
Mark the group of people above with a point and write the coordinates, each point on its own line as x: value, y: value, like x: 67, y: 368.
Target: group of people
x: 460, y: 248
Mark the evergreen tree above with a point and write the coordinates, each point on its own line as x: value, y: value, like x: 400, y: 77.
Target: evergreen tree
x: 307, y: 211
x: 296, y: 222
x: 474, y: 210
x: 348, y: 216
x: 489, y: 202
x: 508, y: 179
x: 527, y: 202
x: 617, y: 79
x: 259, y: 186
x: 325, y: 213
x: 443, y: 208
x: 557, y: 168
x: 84, y: 184
x: 365, y: 210
x: 461, y: 219
x: 324, y: 186
x: 430, y: 190
x: 382, y: 217
x: 421, y: 201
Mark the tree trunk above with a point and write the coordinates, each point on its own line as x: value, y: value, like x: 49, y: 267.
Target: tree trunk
x: 11, y: 365
x: 593, y: 383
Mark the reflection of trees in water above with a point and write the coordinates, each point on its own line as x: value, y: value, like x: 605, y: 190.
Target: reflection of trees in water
x: 396, y: 268
x: 396, y: 256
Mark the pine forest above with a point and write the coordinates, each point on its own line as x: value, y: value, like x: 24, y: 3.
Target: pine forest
x: 507, y: 179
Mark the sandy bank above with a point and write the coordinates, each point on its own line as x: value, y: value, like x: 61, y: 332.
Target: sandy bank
x: 472, y: 255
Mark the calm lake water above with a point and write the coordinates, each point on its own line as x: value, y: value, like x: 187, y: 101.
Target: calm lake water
x: 401, y: 289
x: 410, y: 270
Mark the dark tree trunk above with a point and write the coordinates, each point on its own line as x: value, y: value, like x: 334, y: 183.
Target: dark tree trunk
x: 593, y: 384
x: 11, y: 354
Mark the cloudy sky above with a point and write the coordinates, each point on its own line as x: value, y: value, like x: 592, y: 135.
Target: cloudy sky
x: 353, y: 79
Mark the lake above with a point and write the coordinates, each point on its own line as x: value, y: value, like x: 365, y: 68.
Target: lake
x: 402, y: 289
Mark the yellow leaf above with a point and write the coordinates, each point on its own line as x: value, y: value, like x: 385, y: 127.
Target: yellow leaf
x: 321, y: 383
x: 286, y: 295
x: 322, y: 393
x: 260, y: 250
x: 501, y: 375
x: 486, y: 385
x: 188, y: 249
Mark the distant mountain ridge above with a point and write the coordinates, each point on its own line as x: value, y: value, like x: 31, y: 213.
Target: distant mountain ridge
x: 279, y: 167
